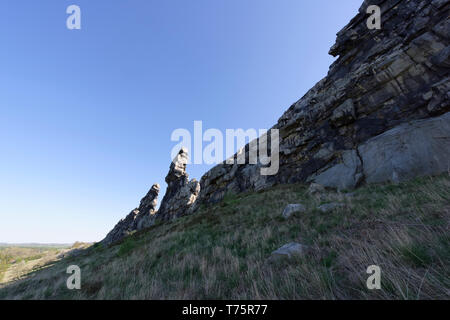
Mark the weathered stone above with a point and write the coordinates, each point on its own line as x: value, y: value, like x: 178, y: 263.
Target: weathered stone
x: 149, y: 202
x: 344, y: 175
x: 181, y: 193
x: 290, y: 209
x: 412, y: 149
x: 344, y: 114
x: 381, y: 79
x: 440, y: 98
x: 137, y: 219
x: 288, y: 251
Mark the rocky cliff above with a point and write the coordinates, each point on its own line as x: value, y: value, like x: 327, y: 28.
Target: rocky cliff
x: 338, y: 134
x: 381, y: 114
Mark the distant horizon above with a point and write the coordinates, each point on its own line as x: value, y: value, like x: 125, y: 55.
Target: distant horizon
x: 36, y: 244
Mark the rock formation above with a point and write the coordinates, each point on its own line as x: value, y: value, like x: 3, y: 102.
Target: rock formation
x: 362, y: 123
x: 181, y: 193
x: 381, y: 114
x: 137, y: 219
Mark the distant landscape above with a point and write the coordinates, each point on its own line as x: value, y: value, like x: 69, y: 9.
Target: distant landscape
x: 35, y: 245
x: 17, y: 260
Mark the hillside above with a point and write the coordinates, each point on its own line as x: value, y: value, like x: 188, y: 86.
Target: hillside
x: 223, y: 251
x: 18, y: 260
x: 362, y: 159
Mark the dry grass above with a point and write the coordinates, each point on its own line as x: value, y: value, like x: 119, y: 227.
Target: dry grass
x: 17, y: 262
x: 222, y: 252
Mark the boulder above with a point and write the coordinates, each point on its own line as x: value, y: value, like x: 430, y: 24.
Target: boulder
x: 288, y: 251
x: 346, y: 174
x: 416, y: 148
x: 412, y: 149
x: 290, y: 209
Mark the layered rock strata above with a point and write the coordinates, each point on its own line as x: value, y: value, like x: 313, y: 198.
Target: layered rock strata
x: 383, y: 79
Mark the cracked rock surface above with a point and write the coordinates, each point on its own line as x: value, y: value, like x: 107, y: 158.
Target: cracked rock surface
x: 382, y: 79
x: 181, y: 193
x: 137, y: 219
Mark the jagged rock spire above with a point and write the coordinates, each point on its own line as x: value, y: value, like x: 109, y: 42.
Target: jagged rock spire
x: 178, y: 200
x: 149, y: 202
x: 137, y: 219
x: 177, y: 169
x: 181, y: 193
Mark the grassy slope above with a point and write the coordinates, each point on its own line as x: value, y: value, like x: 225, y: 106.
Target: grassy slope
x: 17, y: 261
x: 221, y: 252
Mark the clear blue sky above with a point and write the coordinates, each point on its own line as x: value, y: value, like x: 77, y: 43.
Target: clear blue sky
x: 86, y: 115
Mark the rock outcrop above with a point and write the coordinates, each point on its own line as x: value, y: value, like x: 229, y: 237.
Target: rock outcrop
x: 137, y: 219
x: 407, y: 151
x: 178, y: 201
x: 290, y: 209
x: 181, y: 193
x: 339, y: 134
x: 289, y: 251
x: 381, y: 114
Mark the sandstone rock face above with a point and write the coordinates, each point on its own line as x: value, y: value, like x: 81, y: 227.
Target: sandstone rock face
x: 181, y: 193
x: 344, y: 175
x: 137, y: 219
x: 147, y: 209
x: 412, y: 149
x: 381, y: 80
x: 417, y: 148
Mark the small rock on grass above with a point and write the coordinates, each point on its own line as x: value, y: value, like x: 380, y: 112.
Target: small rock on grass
x: 292, y: 208
x: 288, y: 251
